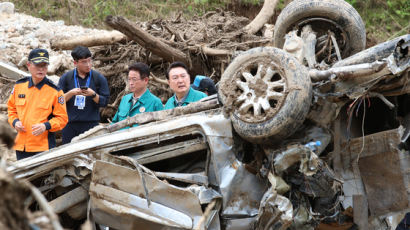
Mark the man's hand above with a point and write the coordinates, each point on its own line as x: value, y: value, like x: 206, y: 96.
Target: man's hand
x: 87, y: 92
x: 19, y: 127
x: 75, y: 91
x: 38, y: 129
x: 71, y: 93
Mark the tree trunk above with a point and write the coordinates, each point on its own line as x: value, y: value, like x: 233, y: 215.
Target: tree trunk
x: 146, y: 40
x: 88, y: 40
x: 263, y: 17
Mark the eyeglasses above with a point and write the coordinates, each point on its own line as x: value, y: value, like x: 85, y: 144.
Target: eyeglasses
x: 87, y: 61
x: 134, y: 79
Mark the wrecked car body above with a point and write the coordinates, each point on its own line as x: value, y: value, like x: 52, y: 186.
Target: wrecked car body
x: 122, y: 187
x: 193, y: 172
x: 288, y: 143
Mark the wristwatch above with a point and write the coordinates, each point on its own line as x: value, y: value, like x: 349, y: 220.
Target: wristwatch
x: 94, y: 95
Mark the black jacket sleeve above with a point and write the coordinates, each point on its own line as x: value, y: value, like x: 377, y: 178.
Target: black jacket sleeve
x: 103, y: 91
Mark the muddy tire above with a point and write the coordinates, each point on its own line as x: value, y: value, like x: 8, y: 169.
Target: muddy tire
x: 267, y: 93
x: 336, y: 16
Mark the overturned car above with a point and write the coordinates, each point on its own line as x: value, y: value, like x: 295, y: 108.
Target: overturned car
x: 297, y: 138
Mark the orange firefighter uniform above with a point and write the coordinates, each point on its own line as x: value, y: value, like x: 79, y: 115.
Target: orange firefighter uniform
x: 33, y: 104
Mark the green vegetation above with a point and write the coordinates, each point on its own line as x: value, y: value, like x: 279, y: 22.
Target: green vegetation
x: 91, y: 13
x: 384, y: 19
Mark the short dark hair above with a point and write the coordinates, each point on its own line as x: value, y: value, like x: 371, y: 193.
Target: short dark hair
x: 175, y: 65
x: 204, y: 84
x: 80, y: 52
x: 142, y: 68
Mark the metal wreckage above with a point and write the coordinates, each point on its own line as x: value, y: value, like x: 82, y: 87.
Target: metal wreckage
x: 311, y: 136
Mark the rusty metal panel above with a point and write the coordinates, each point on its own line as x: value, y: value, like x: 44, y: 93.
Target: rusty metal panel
x: 383, y: 181
x: 373, y: 144
x: 382, y: 170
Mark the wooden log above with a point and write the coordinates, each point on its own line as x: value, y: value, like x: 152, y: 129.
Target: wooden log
x: 96, y: 39
x: 267, y: 11
x: 146, y: 40
x: 157, y: 79
x: 215, y: 52
x: 209, y: 51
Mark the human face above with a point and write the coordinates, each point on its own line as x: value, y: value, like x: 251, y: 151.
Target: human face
x: 136, y: 84
x: 179, y: 81
x: 37, y: 71
x: 83, y: 66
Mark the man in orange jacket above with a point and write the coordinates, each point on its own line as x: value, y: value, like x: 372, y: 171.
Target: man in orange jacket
x: 36, y: 108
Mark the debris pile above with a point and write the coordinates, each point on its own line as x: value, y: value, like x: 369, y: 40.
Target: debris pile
x: 208, y: 42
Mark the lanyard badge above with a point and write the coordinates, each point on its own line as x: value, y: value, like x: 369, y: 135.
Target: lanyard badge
x: 79, y: 100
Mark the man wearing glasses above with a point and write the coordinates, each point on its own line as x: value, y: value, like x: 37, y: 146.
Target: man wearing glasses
x: 180, y: 82
x: 36, y: 108
x: 85, y: 91
x: 140, y: 99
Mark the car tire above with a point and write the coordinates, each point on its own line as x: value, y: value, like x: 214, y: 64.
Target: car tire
x: 267, y: 94
x: 336, y: 16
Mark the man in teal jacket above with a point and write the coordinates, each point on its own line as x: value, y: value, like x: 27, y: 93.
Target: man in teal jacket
x: 180, y: 82
x: 140, y: 99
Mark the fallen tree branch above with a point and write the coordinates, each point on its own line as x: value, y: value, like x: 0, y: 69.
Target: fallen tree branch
x: 159, y: 80
x: 215, y: 52
x: 122, y: 57
x: 109, y: 58
x: 210, y: 51
x: 263, y: 17
x: 109, y: 71
x: 146, y: 40
x: 177, y: 35
x: 251, y: 43
x: 96, y: 39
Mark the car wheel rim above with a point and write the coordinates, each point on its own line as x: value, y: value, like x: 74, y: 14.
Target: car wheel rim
x: 262, y: 90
